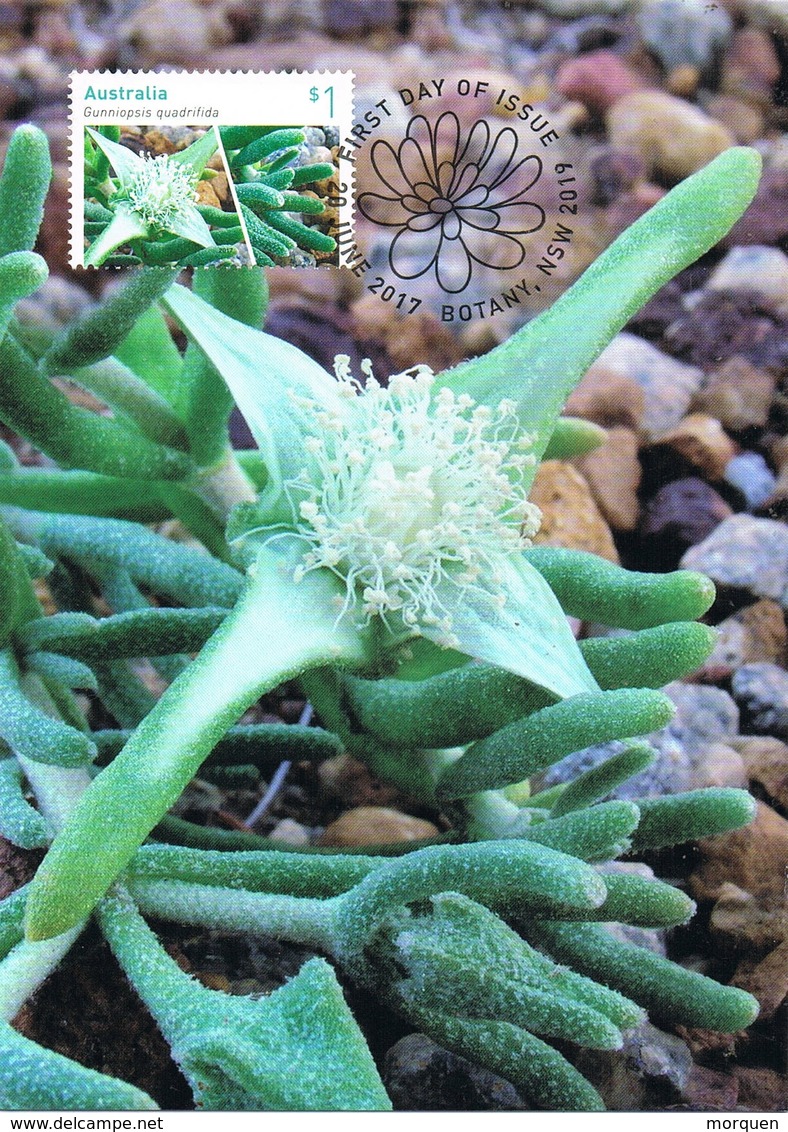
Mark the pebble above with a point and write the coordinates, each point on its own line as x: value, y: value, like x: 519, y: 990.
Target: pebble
x: 702, y: 441
x: 766, y: 762
x: 751, y: 66
x: 745, y: 121
x: 597, y: 79
x: 613, y: 172
x: 163, y: 32
x: 745, y: 553
x: 708, y: 1090
x: 420, y: 1075
x: 290, y: 832
x: 751, y: 475
x: 570, y: 515
x: 206, y: 194
x: 768, y: 14
x: 757, y: 269
x: 761, y: 691
x: 683, y: 81
x: 356, y: 18
x: 761, y: 1089
x: 755, y: 634
x: 738, y: 394
x: 370, y: 825
x: 684, y: 32
x: 673, y: 137
x: 613, y: 473
x: 650, y: 1070
x: 668, y: 385
x: 743, y: 871
x: 608, y: 397
x: 767, y: 980
x: 419, y: 337
x: 350, y: 781
x: 725, y: 323
x: 681, y: 514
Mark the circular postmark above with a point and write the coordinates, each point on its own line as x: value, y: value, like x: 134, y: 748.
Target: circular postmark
x: 464, y: 200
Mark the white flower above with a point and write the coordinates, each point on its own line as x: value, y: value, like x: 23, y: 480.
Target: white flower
x: 411, y: 491
x: 410, y: 498
x: 162, y: 190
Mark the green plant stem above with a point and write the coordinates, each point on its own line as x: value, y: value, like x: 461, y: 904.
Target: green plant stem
x: 180, y: 572
x: 230, y: 673
x: 224, y: 485
x: 300, y: 919
x: 121, y: 389
x: 76, y: 438
x: 24, y: 969
x: 80, y: 493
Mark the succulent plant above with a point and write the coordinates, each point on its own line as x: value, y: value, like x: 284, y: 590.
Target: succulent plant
x: 430, y: 636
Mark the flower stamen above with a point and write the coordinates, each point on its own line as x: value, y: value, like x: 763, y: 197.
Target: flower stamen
x: 410, y: 491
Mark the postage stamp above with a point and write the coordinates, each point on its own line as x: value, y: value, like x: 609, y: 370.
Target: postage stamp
x: 208, y: 168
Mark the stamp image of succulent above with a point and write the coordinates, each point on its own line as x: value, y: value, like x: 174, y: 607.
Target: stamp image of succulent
x: 276, y: 170
x: 146, y: 209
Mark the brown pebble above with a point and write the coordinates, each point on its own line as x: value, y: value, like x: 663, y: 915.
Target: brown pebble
x: 372, y: 825
x: 597, y: 79
x: 745, y: 121
x: 744, y: 872
x: 738, y: 394
x: 761, y: 1089
x: 702, y: 441
x: 767, y: 980
x: 206, y: 194
x: 751, y: 66
x: 608, y: 398
x: 754, y: 634
x: 350, y: 781
x: 570, y: 515
x: 674, y: 137
x: 613, y: 473
x: 766, y: 762
x: 683, y: 80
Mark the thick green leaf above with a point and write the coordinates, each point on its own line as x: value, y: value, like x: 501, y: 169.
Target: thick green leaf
x: 125, y: 163
x: 126, y: 225
x: 296, y: 1049
x: 34, y: 1078
x: 191, y: 226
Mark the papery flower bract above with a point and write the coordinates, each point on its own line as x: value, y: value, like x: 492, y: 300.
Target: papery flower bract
x: 417, y: 501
